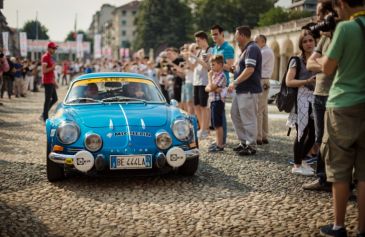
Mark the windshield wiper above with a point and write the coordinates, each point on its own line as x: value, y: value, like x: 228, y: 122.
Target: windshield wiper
x: 121, y: 98
x: 82, y: 100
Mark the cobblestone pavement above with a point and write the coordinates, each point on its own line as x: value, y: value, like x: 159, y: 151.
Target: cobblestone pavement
x: 229, y: 196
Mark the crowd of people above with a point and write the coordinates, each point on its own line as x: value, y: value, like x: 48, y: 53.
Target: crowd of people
x: 328, y: 116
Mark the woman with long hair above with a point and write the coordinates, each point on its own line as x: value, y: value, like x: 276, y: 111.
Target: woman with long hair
x: 301, y: 116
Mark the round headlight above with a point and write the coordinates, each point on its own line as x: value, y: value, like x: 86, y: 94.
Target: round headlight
x: 182, y: 130
x: 68, y: 133
x: 163, y: 140
x: 93, y: 142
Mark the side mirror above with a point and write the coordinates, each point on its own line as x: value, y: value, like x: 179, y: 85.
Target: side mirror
x: 174, y: 103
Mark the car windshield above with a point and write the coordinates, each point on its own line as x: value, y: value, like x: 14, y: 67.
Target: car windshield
x: 101, y: 90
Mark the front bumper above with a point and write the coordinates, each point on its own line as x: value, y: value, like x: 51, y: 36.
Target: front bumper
x: 70, y: 159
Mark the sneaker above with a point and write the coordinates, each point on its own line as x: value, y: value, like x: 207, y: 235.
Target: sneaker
x: 259, y: 142
x: 306, y: 161
x: 247, y: 151
x: 202, y: 134
x: 316, y: 185
x: 216, y: 149
x: 327, y: 230
x: 265, y: 141
x: 302, y: 171
x: 239, y: 147
x: 212, y: 145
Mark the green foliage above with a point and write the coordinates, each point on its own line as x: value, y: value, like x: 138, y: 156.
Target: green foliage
x: 71, y: 36
x: 162, y: 23
x: 229, y: 13
x: 278, y: 15
x: 31, y: 28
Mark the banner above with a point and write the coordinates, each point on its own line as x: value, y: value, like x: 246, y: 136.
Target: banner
x: 97, y: 46
x: 121, y: 53
x: 79, y: 47
x: 126, y: 53
x: 6, y: 43
x: 23, y: 44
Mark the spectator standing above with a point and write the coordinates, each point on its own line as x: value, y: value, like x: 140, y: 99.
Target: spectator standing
x: 216, y: 85
x: 48, y: 79
x: 224, y: 48
x: 343, y: 145
x: 4, y: 67
x: 200, y: 80
x: 321, y: 90
x: 301, y: 117
x: 18, y: 77
x: 174, y: 60
x: 8, y: 78
x: 247, y: 76
x: 268, y: 62
x: 189, y: 55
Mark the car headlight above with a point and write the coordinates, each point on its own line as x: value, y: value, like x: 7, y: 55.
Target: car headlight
x: 93, y: 142
x: 163, y: 140
x: 182, y: 130
x: 68, y: 133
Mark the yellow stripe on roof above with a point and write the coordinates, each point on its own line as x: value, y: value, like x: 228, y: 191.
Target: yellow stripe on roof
x: 112, y: 79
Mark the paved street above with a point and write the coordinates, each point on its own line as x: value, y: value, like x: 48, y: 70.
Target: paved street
x: 229, y: 196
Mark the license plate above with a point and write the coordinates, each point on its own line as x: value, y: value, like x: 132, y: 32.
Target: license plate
x: 131, y: 162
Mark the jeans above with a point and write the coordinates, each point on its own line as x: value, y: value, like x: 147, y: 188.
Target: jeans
x: 49, y: 99
x: 319, y: 109
x: 7, y: 85
x: 302, y: 147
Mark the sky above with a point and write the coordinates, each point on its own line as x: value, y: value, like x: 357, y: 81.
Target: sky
x: 57, y: 15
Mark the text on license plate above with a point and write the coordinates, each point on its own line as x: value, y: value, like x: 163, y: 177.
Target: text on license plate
x: 131, y: 162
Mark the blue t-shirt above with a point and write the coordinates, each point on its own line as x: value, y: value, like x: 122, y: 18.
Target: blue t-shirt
x: 18, y: 72
x: 228, y: 53
x: 251, y: 57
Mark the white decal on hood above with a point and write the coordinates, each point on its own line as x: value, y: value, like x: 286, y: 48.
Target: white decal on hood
x: 111, y: 126
x: 126, y: 121
x: 143, y: 124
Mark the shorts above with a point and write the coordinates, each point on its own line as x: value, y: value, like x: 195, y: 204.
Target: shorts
x: 200, y: 96
x: 187, y: 92
x: 217, y: 111
x: 343, y: 143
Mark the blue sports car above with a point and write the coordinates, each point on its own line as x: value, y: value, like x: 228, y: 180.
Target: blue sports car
x: 111, y: 122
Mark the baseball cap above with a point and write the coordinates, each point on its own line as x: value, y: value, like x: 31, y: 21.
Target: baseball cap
x: 52, y: 45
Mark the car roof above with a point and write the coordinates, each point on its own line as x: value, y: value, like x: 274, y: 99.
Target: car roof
x: 110, y: 74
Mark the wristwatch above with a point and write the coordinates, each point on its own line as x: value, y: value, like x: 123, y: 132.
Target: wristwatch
x: 235, y: 83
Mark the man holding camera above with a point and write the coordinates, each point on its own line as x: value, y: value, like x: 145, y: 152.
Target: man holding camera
x: 344, y: 139
x: 325, y: 27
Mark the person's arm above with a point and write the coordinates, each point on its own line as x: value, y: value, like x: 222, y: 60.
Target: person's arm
x: 314, y: 62
x: 208, y: 87
x: 5, y: 65
x: 290, y: 77
x: 46, y: 69
x: 329, y: 65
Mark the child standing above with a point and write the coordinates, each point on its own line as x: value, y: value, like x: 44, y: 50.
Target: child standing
x: 216, y: 84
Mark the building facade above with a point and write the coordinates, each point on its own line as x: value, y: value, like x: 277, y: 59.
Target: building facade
x: 124, y: 26
x: 304, y: 5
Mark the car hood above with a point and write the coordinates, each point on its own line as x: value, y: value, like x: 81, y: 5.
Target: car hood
x: 116, y: 115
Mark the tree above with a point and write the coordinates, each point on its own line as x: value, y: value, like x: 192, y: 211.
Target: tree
x: 35, y: 30
x: 278, y: 15
x: 71, y: 36
x: 162, y: 23
x: 229, y: 13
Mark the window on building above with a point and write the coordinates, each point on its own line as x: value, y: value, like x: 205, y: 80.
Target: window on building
x: 124, y: 12
x: 124, y: 33
x: 134, y: 12
x: 124, y: 22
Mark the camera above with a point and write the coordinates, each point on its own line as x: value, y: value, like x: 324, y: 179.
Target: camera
x: 1, y: 55
x: 327, y: 25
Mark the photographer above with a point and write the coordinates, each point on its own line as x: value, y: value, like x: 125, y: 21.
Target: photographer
x: 344, y: 138
x: 325, y: 27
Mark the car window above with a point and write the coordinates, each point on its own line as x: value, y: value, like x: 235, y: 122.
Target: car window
x: 98, y: 90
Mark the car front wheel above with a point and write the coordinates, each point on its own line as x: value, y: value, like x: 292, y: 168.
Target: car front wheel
x: 54, y: 171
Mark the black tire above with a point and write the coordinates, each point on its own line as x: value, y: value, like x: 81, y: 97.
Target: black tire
x: 54, y: 171
x: 189, y: 167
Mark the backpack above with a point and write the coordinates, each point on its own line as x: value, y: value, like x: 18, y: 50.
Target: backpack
x: 287, y: 97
